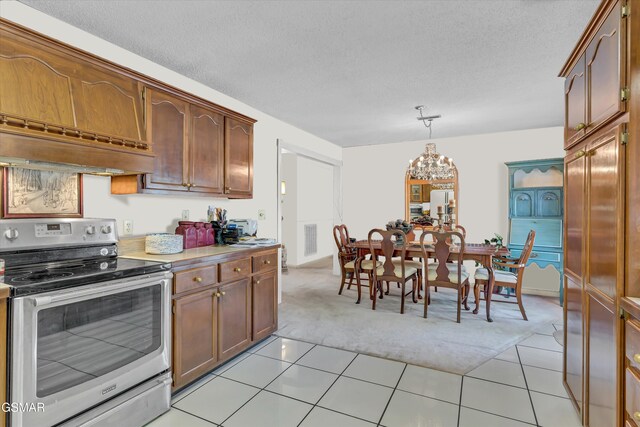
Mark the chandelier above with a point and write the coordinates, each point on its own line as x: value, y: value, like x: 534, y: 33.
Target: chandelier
x: 431, y: 166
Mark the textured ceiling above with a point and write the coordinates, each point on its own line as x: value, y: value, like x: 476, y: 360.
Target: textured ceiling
x: 352, y: 71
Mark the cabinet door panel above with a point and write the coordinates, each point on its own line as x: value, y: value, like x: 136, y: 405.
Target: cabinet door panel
x: 109, y: 104
x: 194, y: 332
x: 574, y: 338
x: 207, y: 151
x: 575, y: 104
x: 603, y: 173
x: 265, y: 305
x: 575, y: 213
x: 169, y: 135
x: 238, y: 176
x: 234, y: 318
x: 604, y: 69
x: 549, y: 203
x: 601, y: 371
x: 523, y: 203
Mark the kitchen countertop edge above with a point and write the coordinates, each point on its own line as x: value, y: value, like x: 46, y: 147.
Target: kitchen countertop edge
x: 197, y: 253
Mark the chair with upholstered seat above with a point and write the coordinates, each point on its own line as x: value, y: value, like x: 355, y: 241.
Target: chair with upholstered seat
x: 392, y: 270
x: 509, y: 279
x: 443, y: 272
x: 347, y: 259
x: 447, y: 227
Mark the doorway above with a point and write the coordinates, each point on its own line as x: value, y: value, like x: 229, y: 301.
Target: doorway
x: 310, y: 203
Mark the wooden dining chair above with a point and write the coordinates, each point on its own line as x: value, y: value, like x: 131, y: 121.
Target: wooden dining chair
x: 447, y: 227
x: 346, y: 256
x: 510, y: 279
x: 391, y: 270
x: 443, y: 272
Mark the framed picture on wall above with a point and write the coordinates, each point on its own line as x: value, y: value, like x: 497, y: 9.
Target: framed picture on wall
x: 30, y: 193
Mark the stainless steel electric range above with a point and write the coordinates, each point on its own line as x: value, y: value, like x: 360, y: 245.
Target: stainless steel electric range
x: 90, y: 333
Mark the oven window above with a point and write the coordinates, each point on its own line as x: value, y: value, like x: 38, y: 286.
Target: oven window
x: 85, y: 340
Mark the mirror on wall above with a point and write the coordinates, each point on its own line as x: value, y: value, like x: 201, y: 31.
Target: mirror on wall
x: 431, y: 180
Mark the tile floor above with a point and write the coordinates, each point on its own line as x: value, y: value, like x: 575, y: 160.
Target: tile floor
x: 282, y: 383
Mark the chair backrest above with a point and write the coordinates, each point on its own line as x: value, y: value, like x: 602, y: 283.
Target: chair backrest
x: 443, y: 242
x: 341, y: 237
x: 388, y: 247
x: 528, y: 247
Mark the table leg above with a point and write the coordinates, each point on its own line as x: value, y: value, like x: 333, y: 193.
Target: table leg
x: 356, y: 271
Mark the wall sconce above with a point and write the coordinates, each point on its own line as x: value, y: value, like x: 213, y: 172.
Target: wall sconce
x: 283, y: 187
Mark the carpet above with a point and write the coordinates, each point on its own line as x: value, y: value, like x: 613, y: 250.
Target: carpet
x: 312, y: 311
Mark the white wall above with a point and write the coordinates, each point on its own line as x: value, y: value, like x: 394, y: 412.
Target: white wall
x: 289, y: 212
x: 373, y: 178
x: 309, y: 200
x: 315, y: 206
x: 152, y: 213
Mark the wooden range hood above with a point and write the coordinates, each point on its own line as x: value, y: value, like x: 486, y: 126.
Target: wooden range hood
x: 60, y: 105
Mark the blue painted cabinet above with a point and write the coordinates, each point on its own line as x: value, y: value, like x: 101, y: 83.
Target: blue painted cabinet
x: 536, y: 203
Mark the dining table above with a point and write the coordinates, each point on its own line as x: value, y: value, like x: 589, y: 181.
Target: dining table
x: 482, y: 253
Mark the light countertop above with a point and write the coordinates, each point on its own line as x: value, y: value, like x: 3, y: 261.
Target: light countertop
x: 188, y: 254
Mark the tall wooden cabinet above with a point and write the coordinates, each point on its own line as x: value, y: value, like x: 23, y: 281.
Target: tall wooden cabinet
x: 601, y: 215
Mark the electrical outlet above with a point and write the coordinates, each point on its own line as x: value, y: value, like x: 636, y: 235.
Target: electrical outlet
x: 262, y: 214
x: 127, y: 227
x: 185, y: 215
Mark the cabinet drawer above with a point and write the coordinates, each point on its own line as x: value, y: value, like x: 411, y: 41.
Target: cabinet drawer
x: 193, y: 279
x: 265, y: 262
x: 538, y: 256
x: 548, y: 232
x: 632, y: 343
x: 632, y: 396
x: 233, y: 270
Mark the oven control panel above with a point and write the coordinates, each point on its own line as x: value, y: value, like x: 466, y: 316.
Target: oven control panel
x: 58, y: 229
x: 50, y: 233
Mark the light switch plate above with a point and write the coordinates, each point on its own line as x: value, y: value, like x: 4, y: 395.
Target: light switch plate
x: 262, y: 214
x: 185, y: 215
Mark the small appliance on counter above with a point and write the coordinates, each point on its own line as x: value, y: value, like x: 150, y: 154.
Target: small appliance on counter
x: 246, y: 227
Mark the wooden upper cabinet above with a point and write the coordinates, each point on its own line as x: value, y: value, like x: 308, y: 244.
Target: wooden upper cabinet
x: 238, y: 171
x: 575, y: 104
x: 574, y: 182
x: 109, y: 104
x: 605, y: 70
x: 605, y: 242
x: 169, y: 127
x: 206, y: 171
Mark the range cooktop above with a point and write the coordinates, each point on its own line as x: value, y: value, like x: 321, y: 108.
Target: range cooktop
x: 37, y: 278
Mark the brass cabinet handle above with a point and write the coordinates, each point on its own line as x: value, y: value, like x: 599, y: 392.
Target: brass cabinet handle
x: 257, y: 282
x: 197, y: 279
x: 636, y: 416
x: 580, y: 126
x: 581, y: 153
x: 636, y: 357
x: 184, y: 184
x: 223, y: 293
x: 218, y: 294
x: 227, y: 189
x: 266, y: 261
x: 192, y: 185
x: 237, y: 269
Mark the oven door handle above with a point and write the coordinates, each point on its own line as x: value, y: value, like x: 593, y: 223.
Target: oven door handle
x: 100, y: 289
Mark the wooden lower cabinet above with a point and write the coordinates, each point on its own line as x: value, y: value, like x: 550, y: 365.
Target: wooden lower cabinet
x: 217, y: 318
x: 601, y: 363
x: 234, y: 318
x: 573, y: 356
x: 195, y: 347
x: 265, y: 304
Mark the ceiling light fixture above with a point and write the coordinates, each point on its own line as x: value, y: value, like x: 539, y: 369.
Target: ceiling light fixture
x: 430, y: 165
x: 426, y: 120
